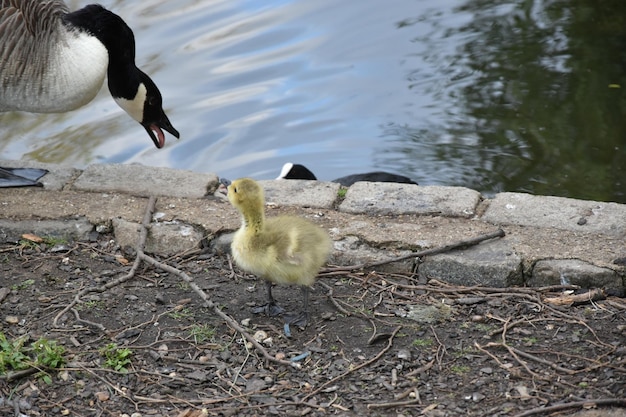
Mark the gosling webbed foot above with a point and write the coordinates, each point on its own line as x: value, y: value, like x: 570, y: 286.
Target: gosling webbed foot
x: 269, y: 309
x: 297, y: 319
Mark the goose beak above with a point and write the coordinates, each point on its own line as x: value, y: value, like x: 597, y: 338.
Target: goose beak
x: 155, y: 130
x: 223, y: 187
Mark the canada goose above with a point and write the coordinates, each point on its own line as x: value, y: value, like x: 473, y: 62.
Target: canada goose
x: 53, y: 60
x: 292, y: 171
x: 281, y: 250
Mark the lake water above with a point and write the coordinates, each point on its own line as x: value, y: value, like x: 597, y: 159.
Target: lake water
x: 493, y: 95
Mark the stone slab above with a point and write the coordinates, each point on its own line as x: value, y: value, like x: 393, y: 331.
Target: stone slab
x: 491, y: 264
x: 73, y: 229
x: 392, y: 199
x: 142, y: 180
x: 557, y: 212
x: 165, y: 239
x: 314, y: 194
x: 573, y: 272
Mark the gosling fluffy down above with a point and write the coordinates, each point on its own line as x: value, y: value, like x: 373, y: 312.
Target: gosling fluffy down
x: 282, y: 250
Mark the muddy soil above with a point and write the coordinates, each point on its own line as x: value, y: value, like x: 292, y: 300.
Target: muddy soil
x: 376, y: 344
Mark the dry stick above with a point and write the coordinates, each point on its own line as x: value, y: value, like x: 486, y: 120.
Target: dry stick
x: 362, y: 365
x: 332, y: 299
x: 441, y: 348
x: 167, y: 268
x: 416, y: 401
x: 620, y: 402
x: 141, y: 243
x: 441, y: 249
x: 229, y: 320
x: 141, y: 256
x: 540, y: 360
x: 421, y: 369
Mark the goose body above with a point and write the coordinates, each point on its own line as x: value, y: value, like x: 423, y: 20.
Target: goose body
x: 281, y: 250
x: 53, y: 60
x: 43, y: 59
x: 292, y: 171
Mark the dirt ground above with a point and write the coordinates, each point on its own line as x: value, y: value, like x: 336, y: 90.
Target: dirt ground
x: 375, y: 345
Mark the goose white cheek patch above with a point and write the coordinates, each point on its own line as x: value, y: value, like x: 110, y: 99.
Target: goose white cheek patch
x: 134, y: 107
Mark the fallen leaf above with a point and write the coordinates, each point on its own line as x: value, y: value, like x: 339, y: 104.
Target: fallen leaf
x: 122, y: 260
x: 32, y: 238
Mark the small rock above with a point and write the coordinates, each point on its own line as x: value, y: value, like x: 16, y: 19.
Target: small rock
x: 255, y: 384
x: 60, y: 248
x: 102, y: 396
x: 198, y: 376
x: 11, y: 319
x: 477, y: 397
x: 260, y: 336
x: 404, y: 354
x: 162, y: 350
x: 487, y: 370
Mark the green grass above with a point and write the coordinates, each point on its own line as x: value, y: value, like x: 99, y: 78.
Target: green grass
x: 42, y: 354
x: 341, y: 193
x: 116, y: 358
x: 182, y: 285
x: 487, y: 328
x: 183, y: 313
x: 23, y: 285
x: 422, y: 343
x: 460, y: 369
x: 47, y: 240
x: 529, y: 341
x: 202, y: 333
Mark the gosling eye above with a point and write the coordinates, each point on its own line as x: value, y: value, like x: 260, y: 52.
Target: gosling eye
x: 234, y: 189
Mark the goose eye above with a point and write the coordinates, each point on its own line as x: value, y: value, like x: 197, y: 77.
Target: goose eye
x: 234, y: 189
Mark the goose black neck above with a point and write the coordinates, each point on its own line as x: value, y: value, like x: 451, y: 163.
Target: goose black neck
x: 122, y: 73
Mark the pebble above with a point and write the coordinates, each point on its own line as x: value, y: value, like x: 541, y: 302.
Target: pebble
x: 11, y: 319
x: 260, y: 336
x: 404, y: 354
x: 102, y: 396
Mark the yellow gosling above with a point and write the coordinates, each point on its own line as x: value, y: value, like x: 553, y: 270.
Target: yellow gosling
x: 281, y: 250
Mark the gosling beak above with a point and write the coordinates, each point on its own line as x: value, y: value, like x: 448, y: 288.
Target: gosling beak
x: 223, y: 187
x: 155, y: 132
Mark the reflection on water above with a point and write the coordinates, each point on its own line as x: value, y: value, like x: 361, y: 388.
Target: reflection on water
x: 513, y: 96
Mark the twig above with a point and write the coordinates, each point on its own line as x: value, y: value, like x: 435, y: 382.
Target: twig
x: 540, y: 360
x: 427, y: 252
x: 87, y: 322
x: 421, y: 369
x: 394, y: 404
x: 568, y: 300
x: 142, y: 257
x: 141, y: 243
x: 229, y: 320
x: 332, y: 298
x: 356, y: 368
x: 620, y: 402
x: 441, y: 349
